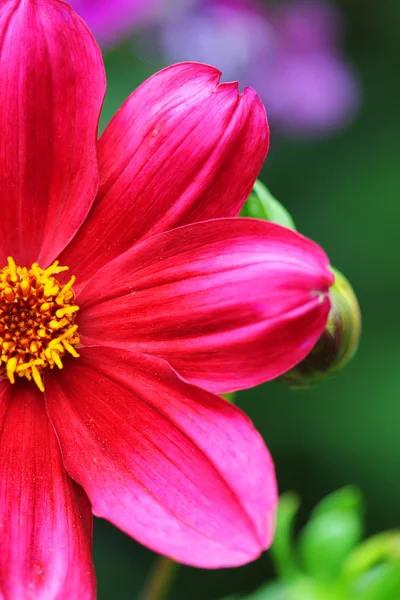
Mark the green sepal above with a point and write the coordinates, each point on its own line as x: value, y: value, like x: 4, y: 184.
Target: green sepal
x: 262, y: 205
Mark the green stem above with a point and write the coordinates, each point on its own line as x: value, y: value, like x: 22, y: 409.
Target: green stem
x: 282, y: 550
x: 160, y: 579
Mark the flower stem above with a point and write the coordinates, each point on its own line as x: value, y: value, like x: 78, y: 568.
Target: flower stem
x: 160, y: 579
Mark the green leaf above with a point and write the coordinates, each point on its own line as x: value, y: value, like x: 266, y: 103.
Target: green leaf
x: 262, y: 205
x: 303, y: 588
x: 347, y: 498
x: 382, y: 582
x: 381, y: 547
x: 272, y: 591
x: 333, y: 531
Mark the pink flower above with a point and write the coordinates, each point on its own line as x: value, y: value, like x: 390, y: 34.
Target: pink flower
x: 175, y: 300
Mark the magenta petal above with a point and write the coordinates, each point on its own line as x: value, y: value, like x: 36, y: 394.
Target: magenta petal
x: 45, y: 518
x: 182, y: 148
x: 229, y: 303
x: 51, y: 89
x: 180, y: 470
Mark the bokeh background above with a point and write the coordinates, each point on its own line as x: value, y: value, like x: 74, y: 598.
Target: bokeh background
x: 329, y: 76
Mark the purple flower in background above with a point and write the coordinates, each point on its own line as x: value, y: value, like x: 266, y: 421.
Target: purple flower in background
x: 289, y: 51
x: 307, y: 84
x: 231, y: 33
x: 110, y: 20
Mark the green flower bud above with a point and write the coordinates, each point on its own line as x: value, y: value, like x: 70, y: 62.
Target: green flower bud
x: 339, y: 342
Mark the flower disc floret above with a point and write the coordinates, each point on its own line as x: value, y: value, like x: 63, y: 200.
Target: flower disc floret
x: 37, y: 315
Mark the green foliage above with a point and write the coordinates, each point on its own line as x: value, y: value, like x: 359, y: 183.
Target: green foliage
x: 334, y: 529
x: 328, y: 561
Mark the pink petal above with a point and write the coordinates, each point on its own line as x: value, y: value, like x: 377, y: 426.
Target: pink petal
x: 51, y: 89
x: 45, y: 518
x: 181, y: 149
x: 180, y: 470
x: 228, y: 303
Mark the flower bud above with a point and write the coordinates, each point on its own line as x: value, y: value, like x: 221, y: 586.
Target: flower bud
x: 339, y: 342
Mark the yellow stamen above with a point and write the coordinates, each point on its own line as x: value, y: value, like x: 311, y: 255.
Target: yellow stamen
x: 37, y: 314
x: 24, y: 366
x: 12, y: 267
x: 33, y: 347
x: 56, y: 359
x: 24, y: 273
x: 65, y: 289
x: 11, y: 368
x: 45, y: 307
x: 37, y: 379
x: 67, y: 334
x: 70, y: 349
x: 25, y: 288
x: 53, y: 269
x: 68, y: 310
x: 50, y: 289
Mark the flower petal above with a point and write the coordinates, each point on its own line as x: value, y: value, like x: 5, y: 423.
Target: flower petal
x: 51, y: 89
x: 45, y: 518
x: 180, y: 470
x: 229, y: 303
x: 181, y: 149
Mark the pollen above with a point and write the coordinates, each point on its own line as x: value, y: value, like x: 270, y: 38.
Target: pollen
x: 37, y: 321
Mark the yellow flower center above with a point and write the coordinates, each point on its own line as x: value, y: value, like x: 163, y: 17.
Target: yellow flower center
x: 37, y: 316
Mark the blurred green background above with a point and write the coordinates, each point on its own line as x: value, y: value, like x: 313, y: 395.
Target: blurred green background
x: 343, y: 191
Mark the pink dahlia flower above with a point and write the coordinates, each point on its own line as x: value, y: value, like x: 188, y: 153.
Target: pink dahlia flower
x: 107, y: 396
